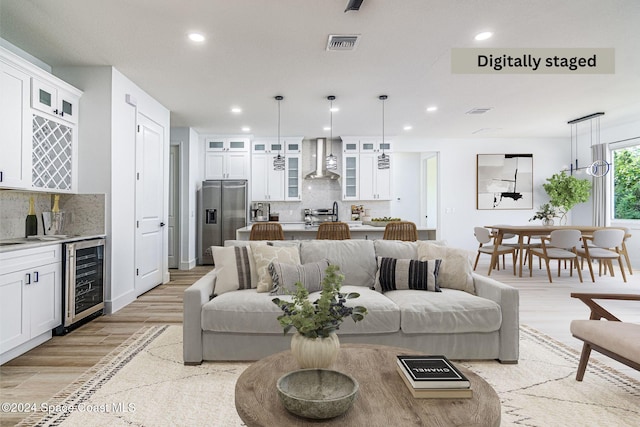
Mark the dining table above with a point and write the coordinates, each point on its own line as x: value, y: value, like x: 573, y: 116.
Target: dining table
x: 528, y: 231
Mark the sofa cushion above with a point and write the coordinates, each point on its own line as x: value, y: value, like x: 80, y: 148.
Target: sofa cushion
x: 285, y: 276
x: 383, y: 315
x: 249, y: 311
x: 395, y: 249
x: 265, y: 255
x: 233, y: 268
x: 246, y: 311
x: 396, y: 274
x: 446, y: 312
x: 455, y: 270
x: 356, y: 258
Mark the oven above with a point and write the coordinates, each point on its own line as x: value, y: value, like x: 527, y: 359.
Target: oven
x: 83, y: 283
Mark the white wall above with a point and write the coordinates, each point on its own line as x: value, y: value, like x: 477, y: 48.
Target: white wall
x: 457, y: 182
x: 107, y: 141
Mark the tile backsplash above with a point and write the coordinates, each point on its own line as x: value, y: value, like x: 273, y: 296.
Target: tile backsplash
x: 84, y: 213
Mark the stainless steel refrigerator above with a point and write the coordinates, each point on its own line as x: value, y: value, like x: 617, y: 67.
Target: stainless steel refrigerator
x: 222, y: 209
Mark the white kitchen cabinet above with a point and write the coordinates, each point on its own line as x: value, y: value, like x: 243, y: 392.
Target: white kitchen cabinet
x: 361, y: 177
x: 375, y: 183
x: 350, y: 177
x: 227, y: 158
x: 39, y: 128
x: 30, y: 298
x: 55, y: 153
x: 15, y: 131
x: 51, y: 99
x: 293, y: 177
x: 267, y: 184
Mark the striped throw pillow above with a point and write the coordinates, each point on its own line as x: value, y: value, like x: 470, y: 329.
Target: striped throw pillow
x: 398, y: 274
x: 233, y: 267
x: 285, y: 276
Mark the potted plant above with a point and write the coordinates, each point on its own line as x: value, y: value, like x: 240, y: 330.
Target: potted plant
x: 315, y: 344
x: 546, y: 213
x: 566, y: 191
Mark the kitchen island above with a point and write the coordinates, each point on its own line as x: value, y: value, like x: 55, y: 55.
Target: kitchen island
x: 300, y: 231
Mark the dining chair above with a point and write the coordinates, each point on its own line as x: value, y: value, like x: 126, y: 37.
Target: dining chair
x: 401, y: 230
x: 333, y: 231
x: 266, y: 231
x: 560, y: 245
x: 484, y: 236
x: 623, y: 249
x: 604, y: 245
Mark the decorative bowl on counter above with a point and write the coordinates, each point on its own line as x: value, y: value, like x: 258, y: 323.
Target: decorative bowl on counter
x: 317, y: 393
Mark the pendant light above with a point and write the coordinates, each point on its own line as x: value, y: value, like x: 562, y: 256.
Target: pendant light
x: 383, y: 159
x: 278, y: 161
x: 331, y: 161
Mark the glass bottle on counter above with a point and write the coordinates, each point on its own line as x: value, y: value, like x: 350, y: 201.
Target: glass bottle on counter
x: 31, y: 224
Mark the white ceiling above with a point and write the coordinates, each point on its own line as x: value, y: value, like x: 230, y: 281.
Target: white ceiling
x: 256, y: 49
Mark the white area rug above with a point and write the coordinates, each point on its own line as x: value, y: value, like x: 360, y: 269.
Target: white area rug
x: 144, y: 383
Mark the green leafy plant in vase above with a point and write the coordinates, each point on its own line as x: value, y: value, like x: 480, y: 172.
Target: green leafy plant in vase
x: 316, y: 344
x: 546, y: 213
x: 566, y: 191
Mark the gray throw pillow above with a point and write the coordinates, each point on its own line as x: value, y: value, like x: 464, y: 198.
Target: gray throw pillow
x: 285, y: 276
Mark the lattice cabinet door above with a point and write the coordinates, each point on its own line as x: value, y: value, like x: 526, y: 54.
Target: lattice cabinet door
x: 52, y: 156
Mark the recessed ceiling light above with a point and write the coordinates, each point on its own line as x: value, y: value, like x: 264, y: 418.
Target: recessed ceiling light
x: 236, y: 110
x: 326, y: 128
x: 246, y: 129
x: 334, y: 109
x: 196, y: 37
x: 484, y: 35
x: 408, y: 127
x: 432, y: 109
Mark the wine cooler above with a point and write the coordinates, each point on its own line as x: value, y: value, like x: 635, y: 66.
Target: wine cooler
x: 83, y: 293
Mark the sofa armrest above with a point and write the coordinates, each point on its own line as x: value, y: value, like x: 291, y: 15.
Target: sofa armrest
x: 195, y: 296
x: 508, y: 298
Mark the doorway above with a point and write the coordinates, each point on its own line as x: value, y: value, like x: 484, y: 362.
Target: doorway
x: 429, y: 200
x: 173, y: 223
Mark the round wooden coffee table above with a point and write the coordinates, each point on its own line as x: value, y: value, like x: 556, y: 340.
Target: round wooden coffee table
x: 383, y: 398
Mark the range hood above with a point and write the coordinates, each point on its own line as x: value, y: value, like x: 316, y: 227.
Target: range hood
x: 321, y: 171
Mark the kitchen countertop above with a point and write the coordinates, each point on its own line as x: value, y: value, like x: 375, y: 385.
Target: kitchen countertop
x: 298, y: 230
x: 18, y: 243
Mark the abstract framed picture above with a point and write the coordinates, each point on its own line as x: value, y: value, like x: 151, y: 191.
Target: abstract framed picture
x: 504, y: 181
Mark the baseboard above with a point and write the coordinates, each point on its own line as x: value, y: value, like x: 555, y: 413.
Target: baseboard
x: 187, y: 265
x: 114, y: 305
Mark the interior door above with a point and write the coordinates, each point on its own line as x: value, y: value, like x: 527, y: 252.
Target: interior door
x: 149, y: 204
x: 173, y: 235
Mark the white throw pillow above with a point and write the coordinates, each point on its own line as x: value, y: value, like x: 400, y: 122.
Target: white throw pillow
x: 233, y: 268
x: 265, y: 255
x: 455, y: 270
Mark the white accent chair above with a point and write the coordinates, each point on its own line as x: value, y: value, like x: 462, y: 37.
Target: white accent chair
x: 561, y: 245
x: 604, y: 245
x: 484, y: 236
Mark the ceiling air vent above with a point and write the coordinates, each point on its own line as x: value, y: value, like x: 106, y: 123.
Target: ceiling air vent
x: 337, y: 42
x: 478, y: 110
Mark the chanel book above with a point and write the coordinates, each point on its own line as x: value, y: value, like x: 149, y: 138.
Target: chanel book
x: 435, y: 393
x: 428, y: 372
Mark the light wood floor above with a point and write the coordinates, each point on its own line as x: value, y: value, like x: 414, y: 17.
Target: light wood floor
x: 39, y: 374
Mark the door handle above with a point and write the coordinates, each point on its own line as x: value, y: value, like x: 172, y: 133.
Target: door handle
x: 162, y: 224
x: 28, y: 279
x: 36, y: 277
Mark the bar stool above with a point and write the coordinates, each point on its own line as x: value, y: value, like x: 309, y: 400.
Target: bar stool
x: 333, y: 231
x: 266, y: 231
x: 401, y: 230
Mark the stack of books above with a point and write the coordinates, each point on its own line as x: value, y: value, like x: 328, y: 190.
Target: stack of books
x: 433, y: 377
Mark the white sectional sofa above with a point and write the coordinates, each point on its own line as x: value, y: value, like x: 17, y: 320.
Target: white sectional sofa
x: 473, y: 317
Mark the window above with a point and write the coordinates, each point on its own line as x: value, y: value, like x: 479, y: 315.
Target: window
x: 626, y: 182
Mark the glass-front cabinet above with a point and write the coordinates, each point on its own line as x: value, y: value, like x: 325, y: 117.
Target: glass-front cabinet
x: 52, y: 100
x: 227, y: 158
x: 366, y: 168
x: 350, y: 172
x: 294, y: 177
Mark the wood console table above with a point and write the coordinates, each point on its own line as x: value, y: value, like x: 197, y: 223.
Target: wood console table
x: 383, y: 398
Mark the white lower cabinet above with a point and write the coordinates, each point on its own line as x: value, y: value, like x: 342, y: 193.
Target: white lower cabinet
x: 30, y: 298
